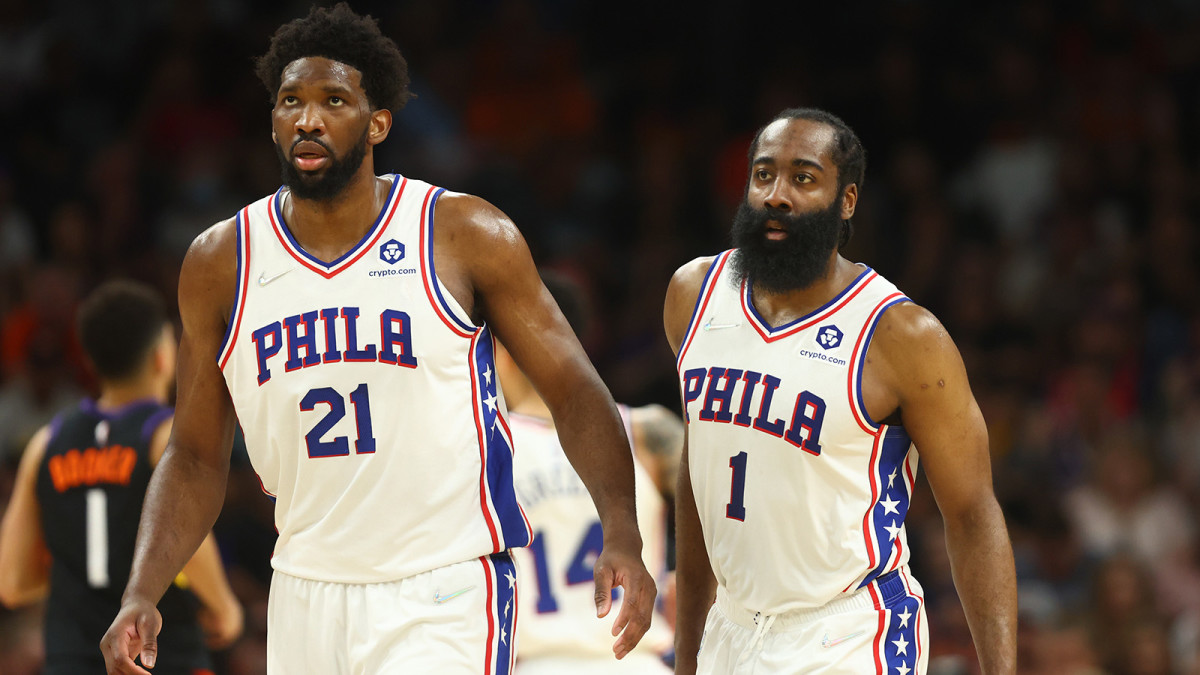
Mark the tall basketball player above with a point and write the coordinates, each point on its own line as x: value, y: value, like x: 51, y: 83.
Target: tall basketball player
x: 347, y: 323
x: 558, y: 631
x: 79, y: 491
x: 809, y: 385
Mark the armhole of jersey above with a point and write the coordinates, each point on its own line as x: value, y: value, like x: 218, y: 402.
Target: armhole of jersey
x: 859, y: 357
x: 444, y: 304
x: 706, y: 289
x: 243, y: 281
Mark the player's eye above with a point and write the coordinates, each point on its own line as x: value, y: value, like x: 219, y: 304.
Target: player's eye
x: 762, y: 174
x: 289, y: 100
x: 804, y: 178
x: 336, y: 100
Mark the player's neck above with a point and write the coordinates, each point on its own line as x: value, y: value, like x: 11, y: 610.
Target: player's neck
x: 779, y: 308
x: 328, y: 229
x: 116, y: 395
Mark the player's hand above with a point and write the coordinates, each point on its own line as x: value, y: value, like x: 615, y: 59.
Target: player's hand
x: 620, y: 564
x: 222, y: 626
x: 133, y: 632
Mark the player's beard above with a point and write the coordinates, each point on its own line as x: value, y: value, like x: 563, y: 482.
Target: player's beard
x: 323, y: 185
x: 787, y: 264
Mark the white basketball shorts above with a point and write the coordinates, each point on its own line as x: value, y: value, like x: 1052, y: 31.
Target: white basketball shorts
x: 880, y: 629
x: 454, y: 620
x: 632, y: 664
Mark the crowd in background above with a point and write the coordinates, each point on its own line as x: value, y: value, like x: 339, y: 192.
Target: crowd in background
x: 1033, y: 173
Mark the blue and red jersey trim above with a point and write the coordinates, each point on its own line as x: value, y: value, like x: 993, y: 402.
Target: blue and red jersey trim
x: 433, y: 287
x: 367, y: 243
x: 504, y: 516
x: 500, y: 583
x: 706, y: 290
x: 822, y: 313
x: 242, y: 228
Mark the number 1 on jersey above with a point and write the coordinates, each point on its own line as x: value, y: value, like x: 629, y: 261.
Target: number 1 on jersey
x: 736, y: 509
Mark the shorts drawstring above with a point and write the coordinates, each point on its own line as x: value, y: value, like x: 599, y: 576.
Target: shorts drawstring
x: 762, y: 627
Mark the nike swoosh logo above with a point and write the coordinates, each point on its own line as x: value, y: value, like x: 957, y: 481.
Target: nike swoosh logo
x: 438, y: 598
x: 263, y: 279
x: 827, y: 643
x: 709, y: 325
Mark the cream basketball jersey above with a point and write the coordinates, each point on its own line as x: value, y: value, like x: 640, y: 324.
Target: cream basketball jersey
x: 801, y: 495
x: 368, y: 399
x: 557, y: 606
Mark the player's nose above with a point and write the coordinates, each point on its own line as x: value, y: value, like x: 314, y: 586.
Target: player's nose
x: 777, y: 197
x: 310, y: 121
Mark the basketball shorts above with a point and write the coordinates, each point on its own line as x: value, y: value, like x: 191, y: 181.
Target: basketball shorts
x: 454, y: 620
x: 632, y: 664
x: 880, y: 628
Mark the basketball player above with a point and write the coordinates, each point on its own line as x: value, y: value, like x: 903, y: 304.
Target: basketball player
x: 349, y: 320
x: 809, y: 385
x: 558, y: 631
x: 79, y: 491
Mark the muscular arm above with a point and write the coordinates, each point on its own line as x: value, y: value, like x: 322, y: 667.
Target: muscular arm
x: 482, y: 253
x: 923, y: 369
x: 695, y: 584
x: 220, y: 613
x: 188, y: 486
x: 24, y: 572
x: 658, y: 441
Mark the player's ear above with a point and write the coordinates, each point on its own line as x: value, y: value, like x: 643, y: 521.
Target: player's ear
x: 381, y: 124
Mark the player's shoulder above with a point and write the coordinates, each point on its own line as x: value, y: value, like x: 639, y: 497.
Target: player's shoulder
x: 910, y: 340
x: 208, y: 275
x: 215, y: 247
x: 907, y: 323
x: 688, y: 279
x: 473, y: 217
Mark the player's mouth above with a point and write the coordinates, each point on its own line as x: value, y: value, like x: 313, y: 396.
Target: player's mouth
x: 775, y: 230
x: 309, y: 155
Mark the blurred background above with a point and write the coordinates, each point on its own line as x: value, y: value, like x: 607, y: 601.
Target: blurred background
x: 1032, y: 178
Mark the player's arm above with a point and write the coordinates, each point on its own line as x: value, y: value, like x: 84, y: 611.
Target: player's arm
x: 923, y: 368
x: 658, y: 442
x: 696, y: 587
x: 477, y: 239
x: 188, y: 486
x: 220, y: 613
x: 24, y: 560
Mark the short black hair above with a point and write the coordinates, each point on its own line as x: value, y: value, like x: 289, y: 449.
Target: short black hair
x: 570, y: 299
x: 847, y: 152
x: 339, y: 34
x: 119, y: 325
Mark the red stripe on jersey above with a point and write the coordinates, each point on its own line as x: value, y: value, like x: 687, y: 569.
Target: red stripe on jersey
x: 363, y: 247
x: 427, y: 266
x: 488, y: 666
x: 879, y: 632
x: 824, y: 316
x: 853, y: 382
x: 691, y: 332
x: 873, y: 468
x: 484, y: 500
x: 245, y: 284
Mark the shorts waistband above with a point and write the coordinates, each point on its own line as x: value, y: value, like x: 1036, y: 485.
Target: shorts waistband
x: 889, y: 584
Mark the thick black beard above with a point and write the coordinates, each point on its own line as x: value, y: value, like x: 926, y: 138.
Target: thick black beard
x: 796, y: 261
x: 323, y: 187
